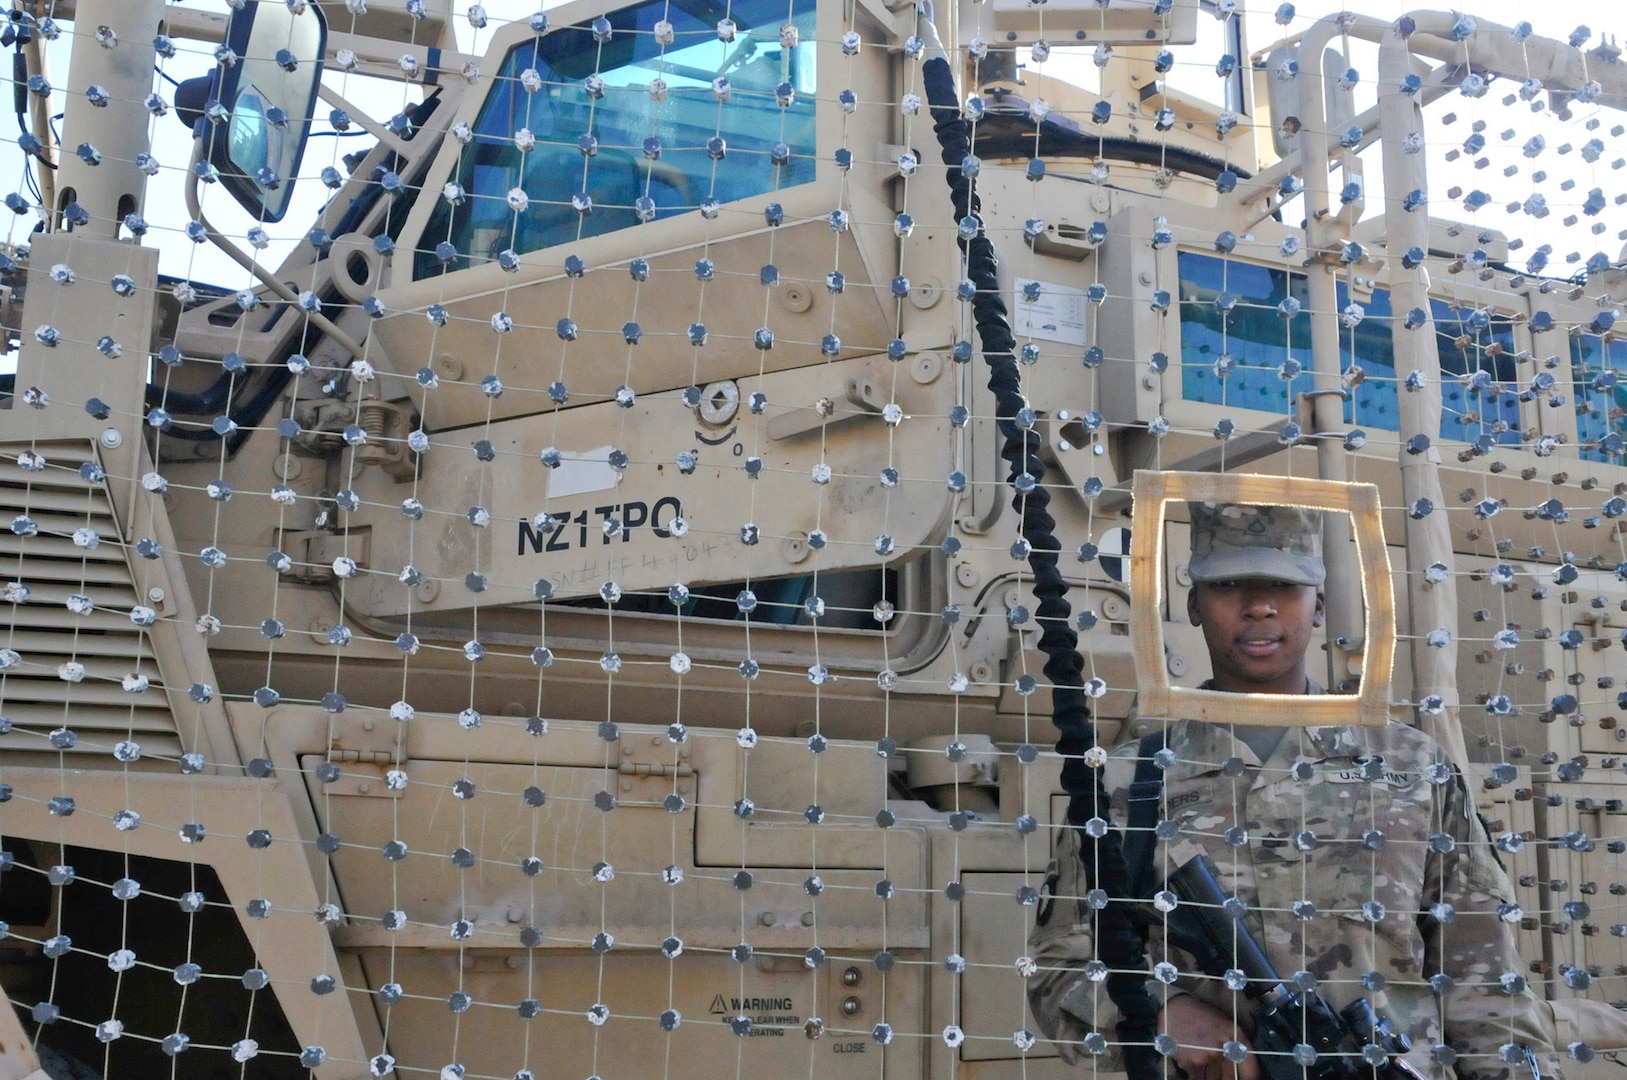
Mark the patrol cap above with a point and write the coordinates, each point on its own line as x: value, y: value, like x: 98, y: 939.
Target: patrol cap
x: 1282, y: 543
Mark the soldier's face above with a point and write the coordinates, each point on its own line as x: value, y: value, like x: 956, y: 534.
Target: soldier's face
x: 1257, y: 631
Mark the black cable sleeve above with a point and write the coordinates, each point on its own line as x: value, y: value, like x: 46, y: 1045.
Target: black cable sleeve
x: 208, y: 403
x: 247, y: 417
x: 19, y: 87
x: 1119, y: 940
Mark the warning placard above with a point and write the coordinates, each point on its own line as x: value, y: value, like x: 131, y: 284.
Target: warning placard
x: 1057, y: 315
x: 769, y: 1016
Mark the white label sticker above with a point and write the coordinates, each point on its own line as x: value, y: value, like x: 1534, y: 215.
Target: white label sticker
x: 582, y: 471
x: 1058, y: 314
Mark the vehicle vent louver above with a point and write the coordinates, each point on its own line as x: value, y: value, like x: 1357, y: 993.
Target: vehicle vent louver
x: 37, y: 693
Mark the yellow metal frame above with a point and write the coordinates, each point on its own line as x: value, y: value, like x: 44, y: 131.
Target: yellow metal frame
x: 1153, y: 491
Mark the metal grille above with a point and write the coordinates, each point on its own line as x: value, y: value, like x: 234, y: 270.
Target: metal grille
x: 36, y: 694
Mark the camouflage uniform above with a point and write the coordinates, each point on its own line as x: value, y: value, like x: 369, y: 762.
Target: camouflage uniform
x: 1306, y: 812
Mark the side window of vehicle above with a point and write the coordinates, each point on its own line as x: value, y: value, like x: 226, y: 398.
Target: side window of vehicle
x: 1598, y: 368
x: 1230, y: 308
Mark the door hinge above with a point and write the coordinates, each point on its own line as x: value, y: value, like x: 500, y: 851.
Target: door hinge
x: 644, y: 768
x: 372, y: 757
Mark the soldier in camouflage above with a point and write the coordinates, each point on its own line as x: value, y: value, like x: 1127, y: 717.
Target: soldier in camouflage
x: 1358, y: 850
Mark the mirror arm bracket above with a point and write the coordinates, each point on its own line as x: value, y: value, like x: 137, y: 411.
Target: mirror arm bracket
x: 266, y: 278
x: 360, y: 118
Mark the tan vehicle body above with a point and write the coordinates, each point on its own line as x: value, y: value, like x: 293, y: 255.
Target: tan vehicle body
x: 330, y: 838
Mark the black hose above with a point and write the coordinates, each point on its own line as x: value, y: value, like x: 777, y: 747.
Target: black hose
x: 1119, y: 941
x: 210, y: 402
x: 1003, y: 134
x: 207, y: 403
x: 19, y: 86
x: 246, y: 418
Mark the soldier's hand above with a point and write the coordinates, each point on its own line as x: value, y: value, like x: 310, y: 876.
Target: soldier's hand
x: 1202, y: 1031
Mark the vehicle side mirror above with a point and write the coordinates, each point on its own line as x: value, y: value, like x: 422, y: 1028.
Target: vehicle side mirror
x: 266, y: 98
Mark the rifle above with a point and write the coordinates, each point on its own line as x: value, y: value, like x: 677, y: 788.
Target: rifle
x: 1296, y: 1032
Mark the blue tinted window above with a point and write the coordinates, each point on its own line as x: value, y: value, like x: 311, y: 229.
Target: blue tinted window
x: 1373, y: 401
x: 1258, y: 340
x: 1252, y: 333
x: 1489, y: 406
x: 562, y: 110
x: 1600, y: 374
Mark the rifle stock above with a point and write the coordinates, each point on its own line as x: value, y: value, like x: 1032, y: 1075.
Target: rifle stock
x: 1297, y: 1033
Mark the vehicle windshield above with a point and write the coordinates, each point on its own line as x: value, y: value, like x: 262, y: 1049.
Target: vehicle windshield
x: 589, y: 106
